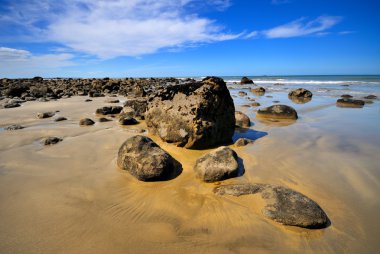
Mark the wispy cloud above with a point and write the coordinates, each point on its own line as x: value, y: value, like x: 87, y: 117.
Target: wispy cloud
x: 25, y: 63
x: 301, y: 27
x: 109, y: 29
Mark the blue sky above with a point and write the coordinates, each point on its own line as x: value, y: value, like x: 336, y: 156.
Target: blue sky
x: 124, y: 38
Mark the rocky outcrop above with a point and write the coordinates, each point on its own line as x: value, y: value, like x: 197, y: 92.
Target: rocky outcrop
x: 146, y: 161
x: 242, y: 120
x: 217, y: 165
x: 246, y: 80
x: 349, y: 103
x: 281, y: 204
x: 278, y: 112
x: 136, y: 107
x: 196, y: 115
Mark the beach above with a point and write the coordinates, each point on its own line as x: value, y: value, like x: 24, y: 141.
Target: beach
x: 71, y: 197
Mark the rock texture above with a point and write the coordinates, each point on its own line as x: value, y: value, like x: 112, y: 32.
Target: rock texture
x: 281, y: 204
x: 243, y: 142
x: 86, y: 122
x: 127, y: 120
x: 301, y: 93
x: 146, y: 161
x: 14, y: 127
x: 246, y: 80
x: 349, y: 103
x: 242, y: 120
x: 45, y: 115
x: 52, y: 141
x: 217, y: 165
x: 258, y: 91
x: 136, y: 107
x: 109, y: 110
x: 278, y: 112
x: 196, y: 115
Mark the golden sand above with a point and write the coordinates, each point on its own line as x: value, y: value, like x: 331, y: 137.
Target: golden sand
x: 72, y: 198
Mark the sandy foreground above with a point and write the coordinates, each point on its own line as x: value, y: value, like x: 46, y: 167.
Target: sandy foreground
x: 72, y: 198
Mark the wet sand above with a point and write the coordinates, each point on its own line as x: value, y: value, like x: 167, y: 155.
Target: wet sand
x: 72, y: 198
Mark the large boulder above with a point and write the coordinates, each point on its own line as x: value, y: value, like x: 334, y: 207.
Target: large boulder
x: 217, y: 165
x: 242, y: 120
x: 281, y: 204
x: 196, y: 115
x: 146, y: 161
x: 138, y: 106
x: 246, y: 80
x: 278, y: 112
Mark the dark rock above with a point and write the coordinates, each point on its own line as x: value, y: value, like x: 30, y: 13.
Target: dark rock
x: 241, y: 93
x: 258, y: 91
x: 16, y: 90
x: 11, y: 104
x: 243, y: 142
x: 300, y: 92
x: 109, y: 110
x: 246, y: 80
x: 14, y: 127
x: 371, y: 97
x: 86, y: 122
x: 300, y: 100
x: 59, y: 119
x: 139, y: 105
x: 52, y: 141
x: 281, y: 204
x: 45, y: 115
x: 195, y: 115
x: 346, y: 96
x: 127, y: 120
x: 349, y: 103
x: 255, y: 104
x: 217, y: 165
x: 146, y: 161
x: 242, y: 120
x: 103, y: 120
x: 278, y: 112
x: 87, y: 100
x: 278, y: 84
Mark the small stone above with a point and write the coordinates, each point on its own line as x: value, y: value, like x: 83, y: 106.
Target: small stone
x: 86, y: 122
x: 103, y: 120
x: 87, y: 100
x: 243, y: 142
x: 371, y: 97
x: 59, y: 119
x: 52, y: 141
x: 14, y: 127
x: 242, y: 120
x: 45, y: 115
x: 241, y: 93
x: 109, y: 100
x: 346, y: 96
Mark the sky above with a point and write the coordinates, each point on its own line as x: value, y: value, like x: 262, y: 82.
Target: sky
x: 183, y: 38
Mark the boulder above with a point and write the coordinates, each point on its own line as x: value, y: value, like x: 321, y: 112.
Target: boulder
x: 127, y: 120
x: 146, y: 161
x: 246, y: 80
x: 258, y: 91
x: 300, y: 92
x: 347, y: 96
x: 255, y: 104
x: 217, y: 165
x: 370, y: 97
x: 86, y: 122
x: 103, y: 120
x: 109, y: 110
x: 139, y: 106
x: 242, y: 93
x: 196, y: 115
x: 14, y: 127
x: 242, y: 120
x: 278, y: 112
x: 52, y: 141
x: 281, y: 204
x: 349, y: 103
x: 243, y: 142
x: 59, y: 119
x: 42, y: 115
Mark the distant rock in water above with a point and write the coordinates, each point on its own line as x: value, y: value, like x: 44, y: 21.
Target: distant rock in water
x: 45, y: 115
x: 14, y: 127
x: 217, y: 165
x: 258, y: 91
x: 197, y: 115
x: 278, y: 112
x: 255, y: 104
x: 242, y: 120
x: 281, y: 204
x: 246, y: 80
x: 349, y: 103
x: 301, y: 93
x: 146, y: 161
x: 109, y: 110
x: 86, y: 122
x: 243, y: 142
x: 52, y: 141
x: 371, y: 97
x: 347, y: 96
x: 242, y: 93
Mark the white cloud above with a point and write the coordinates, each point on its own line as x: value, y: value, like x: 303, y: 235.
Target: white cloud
x: 24, y: 63
x: 112, y: 28
x: 301, y: 28
x: 251, y: 35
